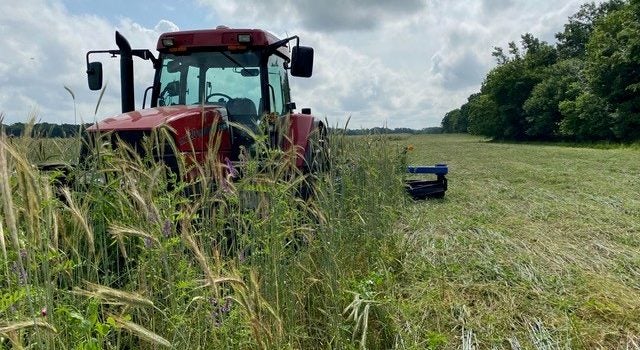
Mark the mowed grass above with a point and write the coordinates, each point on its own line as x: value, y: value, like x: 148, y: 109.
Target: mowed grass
x: 534, y: 246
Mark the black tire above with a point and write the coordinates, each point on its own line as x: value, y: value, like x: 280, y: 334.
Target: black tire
x: 316, y: 161
x: 317, y: 153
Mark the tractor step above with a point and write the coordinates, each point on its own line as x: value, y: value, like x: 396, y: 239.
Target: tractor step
x: 422, y: 189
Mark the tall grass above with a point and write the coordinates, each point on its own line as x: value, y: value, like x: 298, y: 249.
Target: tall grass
x: 133, y: 258
x: 533, y: 247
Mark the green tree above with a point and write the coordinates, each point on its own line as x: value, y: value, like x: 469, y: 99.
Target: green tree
x: 484, y: 118
x: 563, y: 81
x: 539, y: 54
x: 572, y: 42
x: 509, y: 85
x: 585, y: 87
x: 613, y: 70
x: 463, y: 119
x: 449, y: 121
x: 586, y: 118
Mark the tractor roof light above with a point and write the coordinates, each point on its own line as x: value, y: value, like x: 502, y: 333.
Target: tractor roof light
x: 168, y: 42
x: 244, y: 38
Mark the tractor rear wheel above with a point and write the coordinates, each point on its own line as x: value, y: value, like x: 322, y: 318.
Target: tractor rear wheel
x: 316, y: 161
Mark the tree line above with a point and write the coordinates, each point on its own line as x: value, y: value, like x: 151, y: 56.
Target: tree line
x: 43, y: 129
x: 584, y: 88
x: 383, y: 130
x: 71, y: 130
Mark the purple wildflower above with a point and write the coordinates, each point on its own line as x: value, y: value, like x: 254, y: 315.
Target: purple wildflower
x: 20, y: 272
x: 218, y: 312
x: 152, y: 215
x: 226, y: 307
x: 231, y: 169
x: 166, y: 228
x: 148, y: 242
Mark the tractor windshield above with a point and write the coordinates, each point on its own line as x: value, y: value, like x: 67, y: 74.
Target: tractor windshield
x: 220, y: 78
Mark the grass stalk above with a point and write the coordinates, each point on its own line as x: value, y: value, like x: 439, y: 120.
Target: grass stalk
x: 141, y: 332
x: 7, y: 196
x: 81, y: 219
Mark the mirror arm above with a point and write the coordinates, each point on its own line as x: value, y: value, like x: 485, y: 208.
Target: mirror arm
x: 113, y: 53
x: 145, y: 54
x: 271, y: 48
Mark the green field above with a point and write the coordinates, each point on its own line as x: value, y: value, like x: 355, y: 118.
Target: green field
x: 533, y: 247
x: 534, y: 244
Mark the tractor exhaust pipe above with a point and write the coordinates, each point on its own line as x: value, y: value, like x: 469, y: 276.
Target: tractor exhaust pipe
x: 126, y: 74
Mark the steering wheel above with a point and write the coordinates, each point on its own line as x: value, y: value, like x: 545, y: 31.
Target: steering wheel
x: 217, y: 94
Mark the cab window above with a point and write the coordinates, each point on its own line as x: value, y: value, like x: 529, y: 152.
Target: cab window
x: 278, y: 85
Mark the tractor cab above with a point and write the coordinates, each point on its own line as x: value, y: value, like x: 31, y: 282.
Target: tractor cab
x: 229, y: 80
x: 242, y: 71
x: 205, y: 80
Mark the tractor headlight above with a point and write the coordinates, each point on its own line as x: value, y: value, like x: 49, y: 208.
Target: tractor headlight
x: 244, y: 38
x: 168, y: 42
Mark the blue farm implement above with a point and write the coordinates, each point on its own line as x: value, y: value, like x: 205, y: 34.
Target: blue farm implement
x: 420, y: 188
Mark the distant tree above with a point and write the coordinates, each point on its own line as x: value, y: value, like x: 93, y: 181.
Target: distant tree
x: 572, y: 42
x: 45, y: 129
x: 563, y: 81
x: 539, y: 54
x: 585, y: 87
x: 586, y: 118
x: 514, y: 50
x: 450, y: 121
x: 498, y: 53
x: 462, y: 124
x: 613, y: 70
x: 15, y: 129
x: 431, y: 130
x: 484, y: 116
x: 508, y: 86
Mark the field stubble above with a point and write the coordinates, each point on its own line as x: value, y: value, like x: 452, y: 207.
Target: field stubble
x: 534, y: 246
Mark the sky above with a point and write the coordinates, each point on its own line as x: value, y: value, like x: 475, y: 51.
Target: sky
x: 402, y: 63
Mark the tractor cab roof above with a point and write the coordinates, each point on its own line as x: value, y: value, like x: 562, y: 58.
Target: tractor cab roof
x: 220, y: 38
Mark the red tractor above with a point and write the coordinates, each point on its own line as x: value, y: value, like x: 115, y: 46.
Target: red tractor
x: 215, y: 87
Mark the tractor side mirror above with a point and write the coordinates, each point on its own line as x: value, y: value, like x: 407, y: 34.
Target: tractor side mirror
x: 302, y: 61
x: 94, y: 75
x: 173, y: 66
x: 172, y: 89
x: 250, y: 72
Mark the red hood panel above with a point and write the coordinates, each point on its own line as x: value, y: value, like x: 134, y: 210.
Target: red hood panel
x: 147, y: 119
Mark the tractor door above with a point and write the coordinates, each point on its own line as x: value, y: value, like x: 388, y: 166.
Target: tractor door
x: 279, y: 95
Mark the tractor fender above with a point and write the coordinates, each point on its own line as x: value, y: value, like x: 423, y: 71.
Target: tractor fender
x: 301, y: 126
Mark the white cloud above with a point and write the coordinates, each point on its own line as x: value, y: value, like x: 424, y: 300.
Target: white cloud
x: 403, y: 63
x: 165, y: 26
x: 44, y: 50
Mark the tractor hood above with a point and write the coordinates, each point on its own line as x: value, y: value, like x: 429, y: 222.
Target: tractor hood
x: 148, y: 119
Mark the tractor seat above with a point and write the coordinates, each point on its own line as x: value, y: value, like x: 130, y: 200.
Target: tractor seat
x: 243, y: 111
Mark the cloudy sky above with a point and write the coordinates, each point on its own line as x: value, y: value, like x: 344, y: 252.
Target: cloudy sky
x: 400, y: 63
